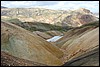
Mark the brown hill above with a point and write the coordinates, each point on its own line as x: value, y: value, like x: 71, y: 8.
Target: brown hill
x: 78, y: 46
x: 90, y: 58
x: 9, y: 60
x: 23, y: 44
x: 42, y: 34
x: 75, y: 33
x: 75, y: 43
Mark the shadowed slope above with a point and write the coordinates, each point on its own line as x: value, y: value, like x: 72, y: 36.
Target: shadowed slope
x: 42, y: 34
x: 88, y: 59
x: 9, y: 60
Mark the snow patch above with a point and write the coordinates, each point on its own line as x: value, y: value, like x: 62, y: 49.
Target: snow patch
x: 55, y: 38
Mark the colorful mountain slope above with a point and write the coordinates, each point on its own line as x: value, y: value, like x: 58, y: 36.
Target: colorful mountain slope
x: 23, y: 44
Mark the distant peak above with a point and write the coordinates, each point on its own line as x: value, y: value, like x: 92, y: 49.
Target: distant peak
x: 83, y: 10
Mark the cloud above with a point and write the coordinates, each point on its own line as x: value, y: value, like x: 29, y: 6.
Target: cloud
x: 12, y: 4
x: 64, y: 5
x: 44, y: 3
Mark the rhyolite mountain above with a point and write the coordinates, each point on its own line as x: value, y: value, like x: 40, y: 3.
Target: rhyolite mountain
x: 63, y: 18
x: 24, y: 34
x: 22, y: 44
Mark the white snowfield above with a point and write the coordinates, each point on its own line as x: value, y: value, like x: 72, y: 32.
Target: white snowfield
x: 55, y: 38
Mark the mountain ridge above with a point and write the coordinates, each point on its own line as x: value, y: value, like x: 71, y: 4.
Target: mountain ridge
x: 56, y: 17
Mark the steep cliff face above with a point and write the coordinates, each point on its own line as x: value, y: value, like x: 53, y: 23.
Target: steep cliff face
x: 23, y: 44
x: 58, y: 17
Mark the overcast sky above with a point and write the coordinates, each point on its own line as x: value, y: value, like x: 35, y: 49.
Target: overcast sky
x: 63, y: 5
